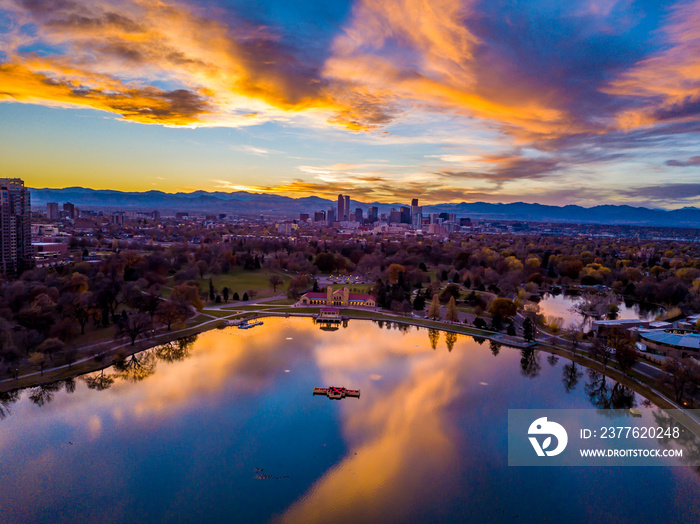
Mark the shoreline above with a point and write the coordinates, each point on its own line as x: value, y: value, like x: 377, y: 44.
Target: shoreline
x: 90, y: 364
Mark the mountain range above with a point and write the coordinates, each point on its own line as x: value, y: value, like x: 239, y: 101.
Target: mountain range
x: 242, y: 203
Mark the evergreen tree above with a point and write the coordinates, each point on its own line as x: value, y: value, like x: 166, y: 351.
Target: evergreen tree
x: 452, y: 313
x: 236, y: 297
x: 419, y: 302
x: 434, y: 311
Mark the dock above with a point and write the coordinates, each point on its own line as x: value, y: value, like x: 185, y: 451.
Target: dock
x: 337, y: 393
x: 247, y: 325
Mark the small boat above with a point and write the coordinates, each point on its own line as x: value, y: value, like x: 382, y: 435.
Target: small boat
x: 337, y: 393
x: 635, y: 412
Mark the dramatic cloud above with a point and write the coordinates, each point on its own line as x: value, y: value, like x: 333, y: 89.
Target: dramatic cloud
x: 486, y: 100
x: 238, y: 73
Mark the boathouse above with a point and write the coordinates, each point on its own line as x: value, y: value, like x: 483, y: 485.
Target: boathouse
x: 339, y: 297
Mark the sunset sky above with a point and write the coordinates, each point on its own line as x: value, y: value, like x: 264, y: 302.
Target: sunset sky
x: 583, y: 102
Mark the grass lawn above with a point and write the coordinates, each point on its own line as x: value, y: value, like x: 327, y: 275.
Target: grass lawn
x: 282, y: 302
x: 239, y: 281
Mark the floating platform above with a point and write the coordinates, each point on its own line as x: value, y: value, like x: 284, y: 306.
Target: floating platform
x: 635, y: 412
x: 337, y: 393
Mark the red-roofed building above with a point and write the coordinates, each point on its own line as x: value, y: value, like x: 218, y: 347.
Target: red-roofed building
x: 339, y: 297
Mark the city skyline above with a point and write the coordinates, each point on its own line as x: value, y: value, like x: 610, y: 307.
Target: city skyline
x: 586, y: 103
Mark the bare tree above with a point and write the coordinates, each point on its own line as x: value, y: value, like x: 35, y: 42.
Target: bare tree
x: 134, y: 326
x: 275, y: 282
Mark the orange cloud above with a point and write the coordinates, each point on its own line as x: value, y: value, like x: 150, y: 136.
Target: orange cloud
x: 114, y: 56
x: 422, y: 53
x: 667, y: 84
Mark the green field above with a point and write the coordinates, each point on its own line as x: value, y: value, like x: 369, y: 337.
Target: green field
x: 240, y: 281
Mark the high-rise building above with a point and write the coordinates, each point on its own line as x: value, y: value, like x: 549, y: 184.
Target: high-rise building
x: 52, y: 211
x: 341, y: 208
x: 358, y: 215
x: 405, y: 215
x: 416, y: 210
x: 373, y: 214
x: 16, y: 252
x: 69, y: 210
x: 347, y: 208
x: 330, y: 216
x: 417, y: 219
x: 319, y: 216
x: 394, y: 216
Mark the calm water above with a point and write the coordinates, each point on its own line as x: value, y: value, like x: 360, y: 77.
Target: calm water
x: 178, y: 435
x: 564, y: 306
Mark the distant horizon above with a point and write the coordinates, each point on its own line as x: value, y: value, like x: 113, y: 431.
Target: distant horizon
x: 330, y: 199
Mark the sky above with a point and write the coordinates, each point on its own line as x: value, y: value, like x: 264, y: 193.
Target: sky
x: 582, y: 102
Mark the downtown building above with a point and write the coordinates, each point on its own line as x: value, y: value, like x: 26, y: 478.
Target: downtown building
x: 16, y: 251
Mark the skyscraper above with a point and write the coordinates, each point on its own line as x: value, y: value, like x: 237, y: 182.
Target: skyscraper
x: 341, y: 208
x: 16, y: 253
x: 52, y: 211
x: 330, y: 216
x: 69, y: 210
x: 416, y: 213
x: 347, y: 208
x: 358, y: 215
x: 373, y: 214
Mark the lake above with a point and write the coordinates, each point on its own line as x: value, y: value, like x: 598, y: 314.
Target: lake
x: 225, y: 428
x: 563, y: 306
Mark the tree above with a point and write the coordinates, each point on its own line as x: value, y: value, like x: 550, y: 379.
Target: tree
x: 50, y: 346
x: 450, y: 291
x: 504, y: 307
x: 37, y: 358
x: 528, y: 330
x: 600, y: 351
x: 419, y: 302
x: 236, y: 297
x: 81, y: 307
x: 245, y: 297
x: 212, y: 290
x: 623, y: 346
x: 683, y: 376
x: 70, y: 356
x: 252, y: 293
x: 394, y: 271
x: 188, y: 293
x: 479, y: 323
x: 169, y: 313
x: 135, y: 326
x: 452, y: 314
x: 225, y: 292
x: 434, y: 311
x: 572, y: 335
x: 149, y: 303
x: 275, y: 282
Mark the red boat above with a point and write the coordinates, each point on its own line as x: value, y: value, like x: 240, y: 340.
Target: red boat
x: 337, y: 393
